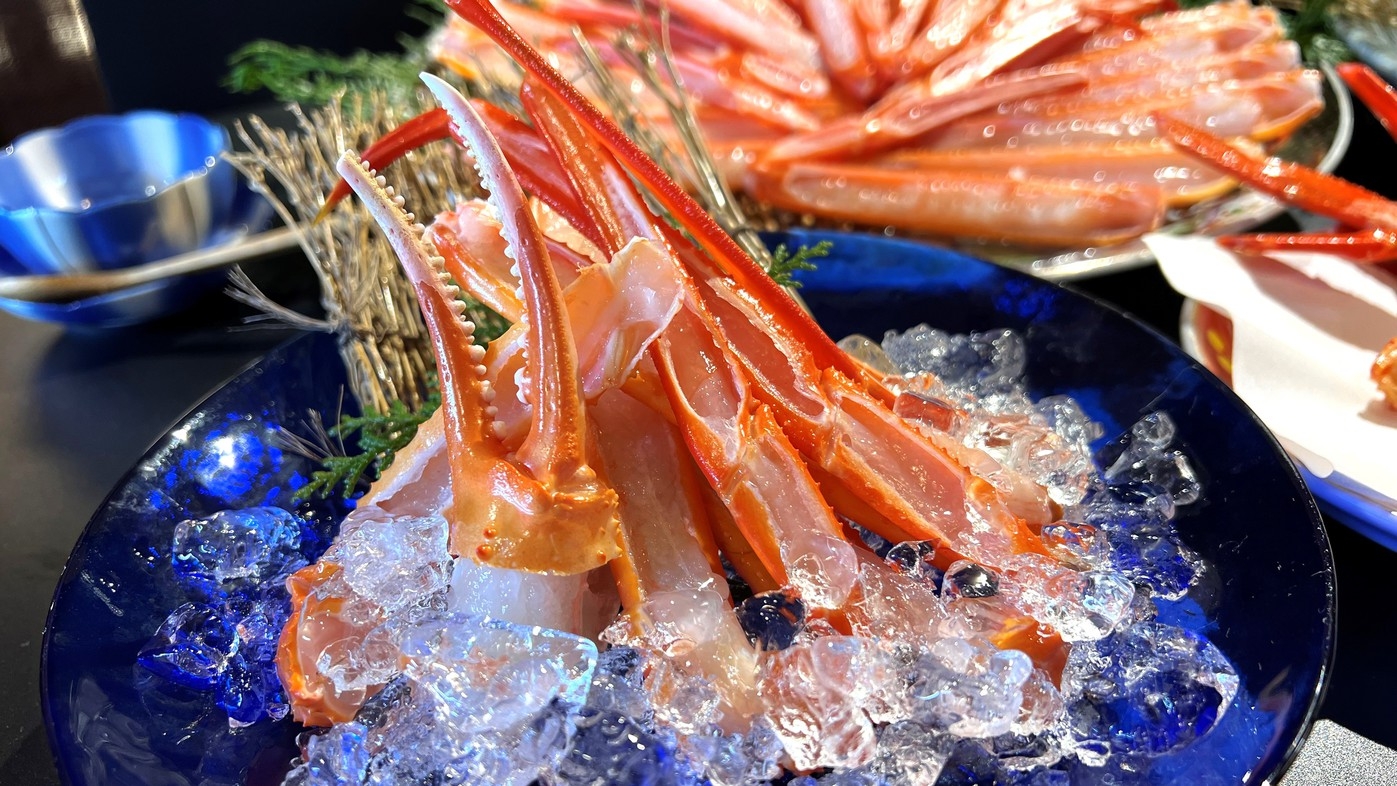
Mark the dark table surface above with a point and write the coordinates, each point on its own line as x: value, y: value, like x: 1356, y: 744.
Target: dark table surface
x: 77, y: 409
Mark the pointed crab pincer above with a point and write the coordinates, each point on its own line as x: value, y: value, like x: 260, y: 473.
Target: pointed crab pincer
x: 540, y: 508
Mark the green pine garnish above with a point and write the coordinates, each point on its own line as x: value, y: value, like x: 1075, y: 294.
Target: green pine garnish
x: 784, y: 262
x: 309, y: 76
x: 381, y: 436
x: 1312, y: 27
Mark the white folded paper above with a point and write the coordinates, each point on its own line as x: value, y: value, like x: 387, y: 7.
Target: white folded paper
x: 1306, y: 328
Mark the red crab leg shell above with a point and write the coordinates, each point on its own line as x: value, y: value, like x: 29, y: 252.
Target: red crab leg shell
x: 554, y: 448
x: 1375, y: 93
x: 536, y: 169
x: 1375, y: 245
x: 1288, y: 182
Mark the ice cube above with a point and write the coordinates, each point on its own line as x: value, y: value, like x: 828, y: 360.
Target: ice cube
x: 971, y: 689
x: 965, y: 579
x: 393, y: 561
x: 491, y: 674
x: 1145, y: 457
x: 337, y: 756
x: 870, y: 353
x: 894, y: 606
x: 749, y: 758
x: 916, y: 560
x: 972, y: 366
x: 814, y: 694
x: 611, y: 748
x: 773, y: 619
x: 191, y: 647
x: 910, y: 754
x: 236, y: 544
x: 698, y: 654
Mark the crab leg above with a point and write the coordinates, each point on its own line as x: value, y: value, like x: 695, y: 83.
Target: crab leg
x: 843, y: 46
x: 517, y: 141
x: 668, y: 571
x: 959, y: 202
x: 908, y: 113
x: 1262, y: 109
x: 1301, y: 186
x: 1182, y: 180
x: 747, y: 459
x: 853, y: 442
x: 1375, y: 94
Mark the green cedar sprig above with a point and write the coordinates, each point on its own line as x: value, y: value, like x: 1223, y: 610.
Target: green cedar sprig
x: 309, y: 76
x: 784, y: 262
x: 380, y: 436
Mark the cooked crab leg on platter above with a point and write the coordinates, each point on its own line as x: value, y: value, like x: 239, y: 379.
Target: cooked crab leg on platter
x: 803, y: 554
x: 1371, y: 219
x: 814, y: 114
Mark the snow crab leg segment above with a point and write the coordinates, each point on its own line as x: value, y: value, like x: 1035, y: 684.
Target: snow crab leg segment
x: 315, y: 620
x: 905, y: 487
x: 689, y: 213
x: 752, y: 466
x: 554, y: 451
x: 855, y: 446
x: 469, y: 241
x: 909, y: 112
x: 669, y: 542
x: 1181, y: 178
x: 608, y: 198
x: 1297, y: 185
x: 962, y: 203
x: 1371, y: 246
x: 616, y: 309
x: 843, y: 46
x: 747, y: 459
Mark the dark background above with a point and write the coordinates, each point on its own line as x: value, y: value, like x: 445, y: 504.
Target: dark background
x: 174, y: 55
x: 77, y: 409
x: 170, y: 54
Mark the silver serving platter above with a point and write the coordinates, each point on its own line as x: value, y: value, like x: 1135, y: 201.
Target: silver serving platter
x: 1320, y: 143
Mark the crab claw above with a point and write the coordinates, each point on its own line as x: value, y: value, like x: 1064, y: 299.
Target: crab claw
x: 540, y: 508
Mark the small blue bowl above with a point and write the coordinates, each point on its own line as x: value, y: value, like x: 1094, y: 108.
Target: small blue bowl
x: 111, y: 191
x: 145, y: 302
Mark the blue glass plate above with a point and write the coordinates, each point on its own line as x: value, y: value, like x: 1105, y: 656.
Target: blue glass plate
x: 1269, y: 605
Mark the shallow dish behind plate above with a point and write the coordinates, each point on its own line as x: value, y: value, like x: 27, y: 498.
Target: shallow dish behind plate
x: 134, y: 305
x: 1256, y: 524
x: 110, y: 191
